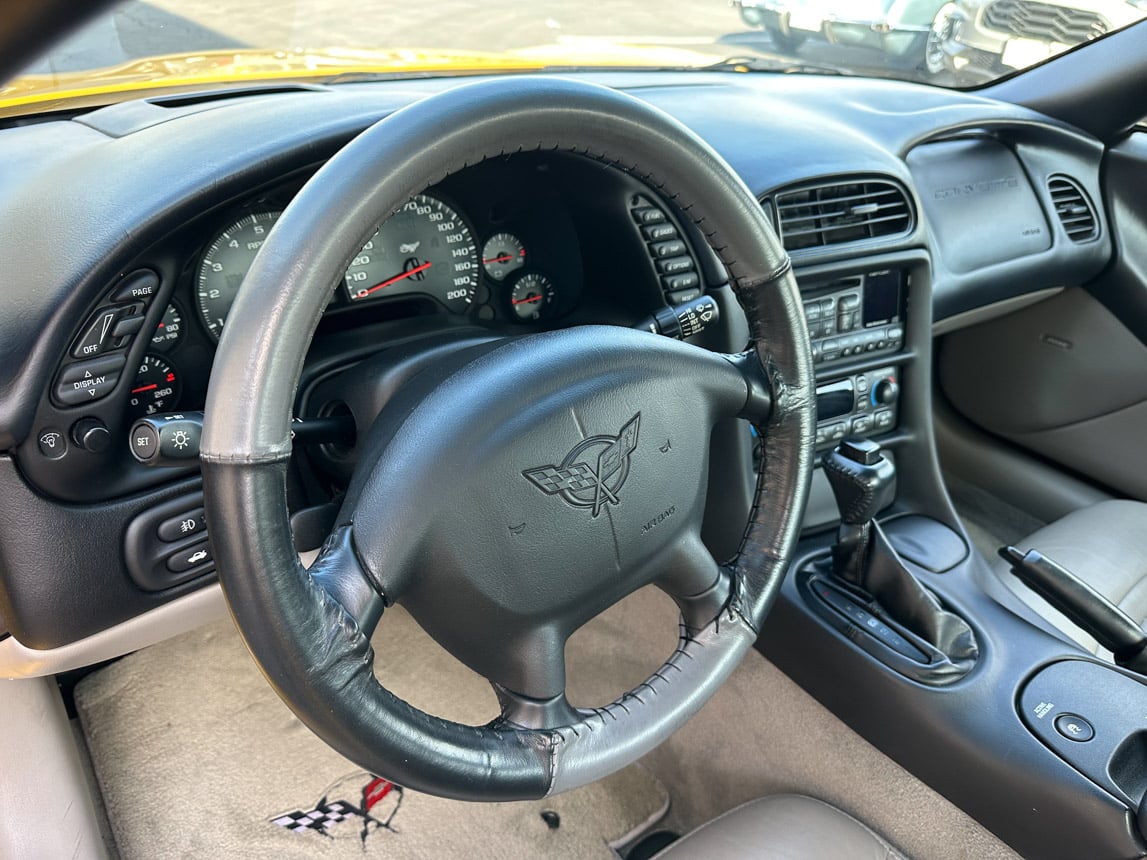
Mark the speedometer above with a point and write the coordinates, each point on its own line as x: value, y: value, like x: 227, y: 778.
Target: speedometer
x: 425, y: 247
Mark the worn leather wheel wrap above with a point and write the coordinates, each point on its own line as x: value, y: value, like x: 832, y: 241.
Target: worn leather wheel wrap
x: 505, y: 521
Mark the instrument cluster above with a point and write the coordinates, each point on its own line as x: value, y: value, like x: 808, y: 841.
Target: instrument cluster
x: 516, y: 245
x: 496, y: 245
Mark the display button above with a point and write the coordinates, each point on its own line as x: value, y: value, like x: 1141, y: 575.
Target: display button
x: 1074, y: 728
x: 138, y: 286
x: 649, y: 215
x: 183, y: 526
x: 671, y: 248
x: 687, y: 281
x: 99, y: 335
x: 52, y: 443
x: 88, y: 381
x: 192, y: 556
x: 674, y: 265
x: 658, y: 232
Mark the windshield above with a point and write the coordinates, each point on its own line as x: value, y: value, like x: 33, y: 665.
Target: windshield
x: 179, y: 44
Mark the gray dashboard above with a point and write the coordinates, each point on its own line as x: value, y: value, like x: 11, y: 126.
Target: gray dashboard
x: 88, y: 196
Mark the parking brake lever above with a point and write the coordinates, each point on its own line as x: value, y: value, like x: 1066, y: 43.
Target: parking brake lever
x: 1112, y: 628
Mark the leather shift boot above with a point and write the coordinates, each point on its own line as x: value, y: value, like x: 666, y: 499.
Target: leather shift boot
x: 864, y: 557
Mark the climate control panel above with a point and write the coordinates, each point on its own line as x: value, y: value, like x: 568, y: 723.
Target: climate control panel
x: 863, y: 404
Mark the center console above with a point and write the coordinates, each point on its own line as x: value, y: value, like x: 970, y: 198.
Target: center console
x: 1034, y: 739
x: 859, y: 316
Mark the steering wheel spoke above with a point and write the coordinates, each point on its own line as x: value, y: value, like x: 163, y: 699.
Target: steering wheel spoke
x: 541, y: 669
x: 692, y: 577
x: 338, y: 571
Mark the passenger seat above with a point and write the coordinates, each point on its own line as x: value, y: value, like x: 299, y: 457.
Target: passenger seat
x: 1105, y: 545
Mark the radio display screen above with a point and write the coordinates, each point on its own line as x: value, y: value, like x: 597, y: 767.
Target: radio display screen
x: 882, y: 297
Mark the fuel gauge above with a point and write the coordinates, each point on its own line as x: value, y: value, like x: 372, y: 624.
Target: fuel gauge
x: 502, y: 255
x: 532, y: 297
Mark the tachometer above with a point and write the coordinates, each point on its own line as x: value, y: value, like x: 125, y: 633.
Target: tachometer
x: 225, y: 265
x: 425, y: 247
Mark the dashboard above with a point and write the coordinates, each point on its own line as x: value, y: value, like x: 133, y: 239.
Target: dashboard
x: 114, y: 309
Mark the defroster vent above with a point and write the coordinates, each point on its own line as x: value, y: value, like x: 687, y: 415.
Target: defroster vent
x: 813, y: 216
x: 1073, y: 209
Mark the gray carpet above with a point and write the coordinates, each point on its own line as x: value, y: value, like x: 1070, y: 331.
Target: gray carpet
x: 195, y: 755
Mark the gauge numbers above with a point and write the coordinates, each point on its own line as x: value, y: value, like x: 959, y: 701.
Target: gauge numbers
x: 169, y: 330
x: 156, y: 387
x: 225, y: 265
x: 425, y: 247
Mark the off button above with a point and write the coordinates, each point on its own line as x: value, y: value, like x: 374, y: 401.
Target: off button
x: 1074, y: 728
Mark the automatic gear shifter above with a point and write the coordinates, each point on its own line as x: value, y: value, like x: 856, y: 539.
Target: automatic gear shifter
x: 862, y: 478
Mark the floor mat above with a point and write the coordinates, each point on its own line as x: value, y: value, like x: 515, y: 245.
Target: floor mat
x: 197, y: 757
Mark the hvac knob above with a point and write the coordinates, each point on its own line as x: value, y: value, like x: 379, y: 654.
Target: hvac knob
x: 885, y: 392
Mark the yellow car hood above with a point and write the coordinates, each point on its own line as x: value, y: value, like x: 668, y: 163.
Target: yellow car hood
x: 174, y: 73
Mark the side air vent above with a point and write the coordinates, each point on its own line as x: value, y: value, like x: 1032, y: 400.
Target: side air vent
x: 1074, y: 210
x: 833, y: 214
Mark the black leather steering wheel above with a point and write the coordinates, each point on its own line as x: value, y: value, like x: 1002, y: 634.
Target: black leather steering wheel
x: 562, y: 432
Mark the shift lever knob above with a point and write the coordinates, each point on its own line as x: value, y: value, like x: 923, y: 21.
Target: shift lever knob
x: 861, y: 479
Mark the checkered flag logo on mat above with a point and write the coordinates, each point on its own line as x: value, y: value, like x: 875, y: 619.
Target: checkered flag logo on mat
x: 323, y: 816
x: 379, y: 802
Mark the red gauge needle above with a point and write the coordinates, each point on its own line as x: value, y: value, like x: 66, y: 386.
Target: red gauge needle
x: 528, y: 300
x: 151, y: 387
x: 396, y: 279
x: 505, y: 258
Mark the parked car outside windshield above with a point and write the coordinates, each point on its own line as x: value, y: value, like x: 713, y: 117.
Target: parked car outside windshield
x: 174, y: 45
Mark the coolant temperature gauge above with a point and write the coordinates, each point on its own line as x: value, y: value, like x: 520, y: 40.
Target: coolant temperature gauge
x: 156, y: 388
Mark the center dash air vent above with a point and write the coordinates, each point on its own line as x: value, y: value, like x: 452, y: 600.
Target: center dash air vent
x: 832, y: 214
x: 1075, y: 211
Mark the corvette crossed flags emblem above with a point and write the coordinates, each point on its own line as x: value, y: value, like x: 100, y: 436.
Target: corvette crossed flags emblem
x: 592, y: 474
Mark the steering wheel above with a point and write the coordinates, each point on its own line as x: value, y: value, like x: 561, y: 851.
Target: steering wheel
x: 519, y: 489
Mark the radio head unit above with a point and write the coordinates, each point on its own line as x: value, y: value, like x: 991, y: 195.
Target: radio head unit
x: 856, y: 314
